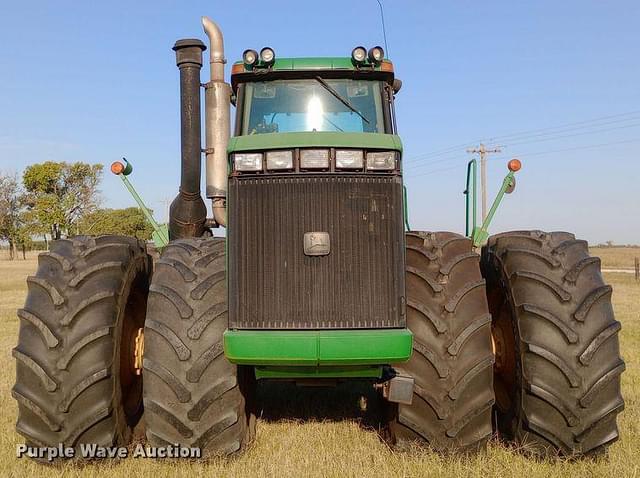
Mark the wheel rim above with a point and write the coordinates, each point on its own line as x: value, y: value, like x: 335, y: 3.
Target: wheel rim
x: 503, y: 339
x: 130, y: 379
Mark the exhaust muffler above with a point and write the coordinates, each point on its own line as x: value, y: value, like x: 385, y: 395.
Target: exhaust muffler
x: 217, y: 119
x: 188, y: 213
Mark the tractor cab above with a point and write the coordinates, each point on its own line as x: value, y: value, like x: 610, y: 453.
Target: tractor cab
x: 313, y: 94
x: 343, y: 105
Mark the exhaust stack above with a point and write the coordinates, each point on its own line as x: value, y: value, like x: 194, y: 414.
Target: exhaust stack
x: 188, y: 213
x: 217, y: 119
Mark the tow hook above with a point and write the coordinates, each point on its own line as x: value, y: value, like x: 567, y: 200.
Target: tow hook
x: 138, y: 351
x: 398, y: 389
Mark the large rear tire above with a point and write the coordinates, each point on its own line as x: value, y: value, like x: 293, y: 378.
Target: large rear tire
x: 452, y: 357
x: 75, y: 380
x: 193, y: 395
x: 558, y: 365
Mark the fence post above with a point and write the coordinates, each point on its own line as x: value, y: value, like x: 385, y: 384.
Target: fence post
x: 637, y: 263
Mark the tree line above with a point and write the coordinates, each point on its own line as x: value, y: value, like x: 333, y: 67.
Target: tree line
x: 53, y: 200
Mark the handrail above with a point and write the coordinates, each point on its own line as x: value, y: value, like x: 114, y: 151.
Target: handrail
x: 470, y: 197
x: 480, y: 235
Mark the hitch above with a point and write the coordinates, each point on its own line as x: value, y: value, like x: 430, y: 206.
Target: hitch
x: 397, y: 389
x: 160, y: 233
x: 479, y: 235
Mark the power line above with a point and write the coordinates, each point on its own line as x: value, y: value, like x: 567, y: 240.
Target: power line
x: 441, y: 170
x: 562, y: 126
x: 448, y: 157
x: 552, y: 138
x: 441, y: 152
x: 575, y: 128
x: 526, y: 155
x: 582, y: 133
x: 541, y: 153
x: 535, y: 133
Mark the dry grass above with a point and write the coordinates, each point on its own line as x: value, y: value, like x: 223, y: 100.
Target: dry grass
x: 302, y: 437
x: 30, y: 255
x: 616, y: 257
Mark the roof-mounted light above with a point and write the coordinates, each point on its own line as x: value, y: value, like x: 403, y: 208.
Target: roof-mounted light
x: 376, y: 54
x: 386, y: 65
x: 250, y: 58
x: 359, y: 55
x: 267, y: 55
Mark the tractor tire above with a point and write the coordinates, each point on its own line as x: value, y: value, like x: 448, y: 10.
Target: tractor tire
x: 558, y: 365
x: 75, y: 377
x: 452, y: 358
x: 193, y: 395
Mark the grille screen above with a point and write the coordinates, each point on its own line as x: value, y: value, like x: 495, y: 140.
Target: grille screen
x: 274, y: 285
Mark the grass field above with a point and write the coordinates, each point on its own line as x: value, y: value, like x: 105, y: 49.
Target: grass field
x: 616, y: 257
x: 306, y: 434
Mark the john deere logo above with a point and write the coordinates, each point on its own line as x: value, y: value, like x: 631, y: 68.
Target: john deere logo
x: 316, y: 243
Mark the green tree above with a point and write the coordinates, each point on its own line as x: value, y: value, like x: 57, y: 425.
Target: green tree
x: 12, y: 228
x: 127, y: 222
x: 58, y: 195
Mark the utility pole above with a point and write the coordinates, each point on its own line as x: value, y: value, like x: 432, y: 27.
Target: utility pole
x: 483, y: 151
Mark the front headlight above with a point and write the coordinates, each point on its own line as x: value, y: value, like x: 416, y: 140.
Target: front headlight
x: 247, y: 161
x: 314, y: 158
x: 349, y: 158
x: 381, y: 160
x: 277, y: 160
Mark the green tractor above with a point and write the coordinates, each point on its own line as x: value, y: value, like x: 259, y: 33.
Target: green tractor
x: 318, y: 280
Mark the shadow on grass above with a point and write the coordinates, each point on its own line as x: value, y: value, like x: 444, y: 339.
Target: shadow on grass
x: 282, y: 401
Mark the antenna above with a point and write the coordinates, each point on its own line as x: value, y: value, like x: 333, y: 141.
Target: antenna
x: 384, y: 30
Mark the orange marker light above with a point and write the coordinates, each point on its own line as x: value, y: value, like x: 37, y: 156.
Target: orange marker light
x: 514, y: 165
x: 237, y: 68
x: 117, y: 167
x: 386, y: 65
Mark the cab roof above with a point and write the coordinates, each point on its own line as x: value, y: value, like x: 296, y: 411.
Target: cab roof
x: 311, y: 66
x: 318, y: 63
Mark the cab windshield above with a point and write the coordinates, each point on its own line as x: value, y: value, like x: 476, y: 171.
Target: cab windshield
x: 316, y: 104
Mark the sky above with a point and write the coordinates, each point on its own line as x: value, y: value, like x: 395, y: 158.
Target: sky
x: 555, y: 84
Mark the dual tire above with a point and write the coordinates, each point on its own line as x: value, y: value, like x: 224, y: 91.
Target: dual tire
x: 76, y: 380
x: 538, y: 323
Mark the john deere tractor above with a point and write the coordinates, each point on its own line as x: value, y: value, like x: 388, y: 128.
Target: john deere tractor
x: 317, y: 280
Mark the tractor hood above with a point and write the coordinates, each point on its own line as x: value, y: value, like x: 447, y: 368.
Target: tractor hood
x: 328, y: 139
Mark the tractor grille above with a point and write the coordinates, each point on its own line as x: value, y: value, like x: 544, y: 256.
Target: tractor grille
x: 274, y: 285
